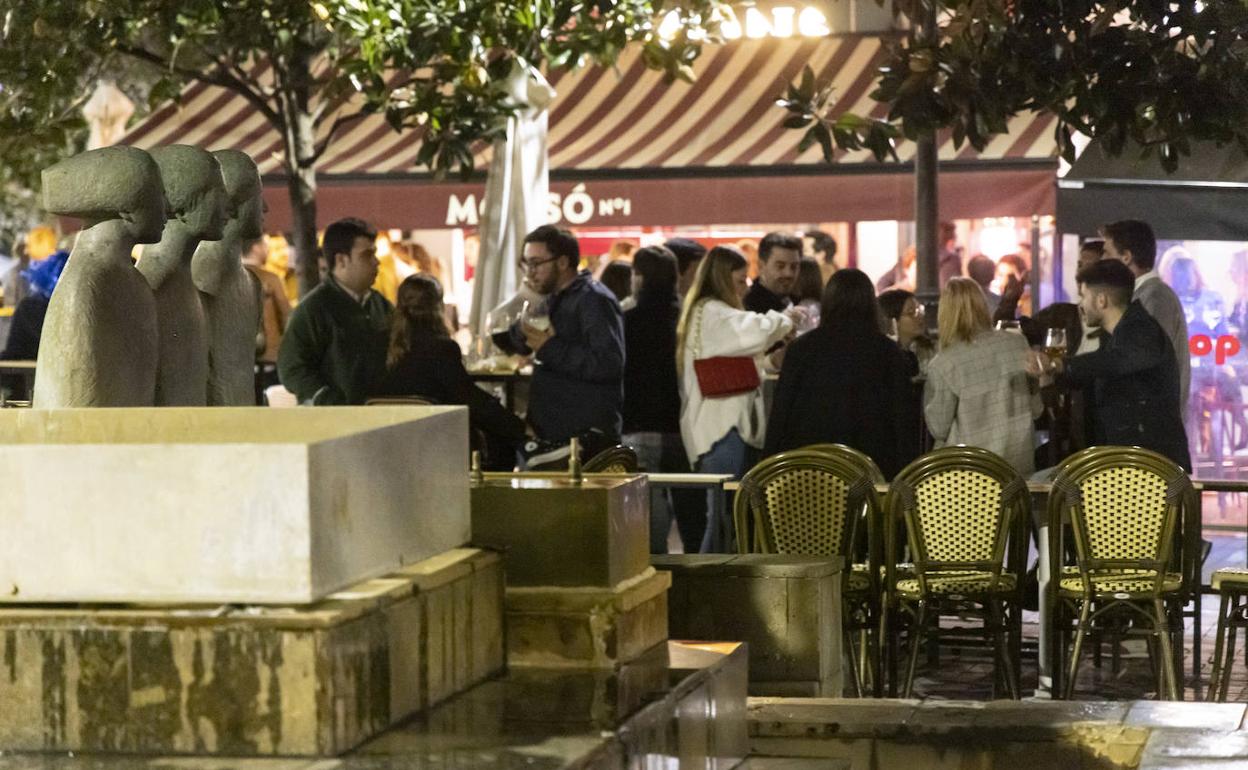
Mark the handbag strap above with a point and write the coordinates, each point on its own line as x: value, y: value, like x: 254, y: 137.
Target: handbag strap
x: 696, y: 347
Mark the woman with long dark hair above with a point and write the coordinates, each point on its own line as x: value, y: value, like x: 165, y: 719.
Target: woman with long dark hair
x: 846, y: 382
x: 422, y: 360
x: 652, y: 394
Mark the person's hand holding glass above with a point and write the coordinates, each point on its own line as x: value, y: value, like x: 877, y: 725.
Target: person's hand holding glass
x: 1055, y: 343
x: 535, y: 325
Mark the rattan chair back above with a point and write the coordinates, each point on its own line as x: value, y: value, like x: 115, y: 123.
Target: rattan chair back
x: 961, y: 506
x: 803, y: 502
x: 1123, y: 505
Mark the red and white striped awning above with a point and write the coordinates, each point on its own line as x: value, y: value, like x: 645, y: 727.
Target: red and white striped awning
x: 622, y: 118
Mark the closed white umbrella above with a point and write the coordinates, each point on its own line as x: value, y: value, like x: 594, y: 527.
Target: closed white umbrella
x: 516, y: 193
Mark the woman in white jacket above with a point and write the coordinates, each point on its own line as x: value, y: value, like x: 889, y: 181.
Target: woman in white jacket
x: 717, y: 430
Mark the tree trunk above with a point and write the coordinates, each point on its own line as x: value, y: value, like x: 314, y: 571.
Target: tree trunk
x: 299, y: 139
x: 301, y: 185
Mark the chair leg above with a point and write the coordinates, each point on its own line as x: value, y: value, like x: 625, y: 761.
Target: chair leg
x: 877, y: 654
x: 890, y: 641
x: 864, y: 658
x: 848, y: 640
x: 1197, y: 661
x: 1214, y: 691
x: 1002, y: 646
x: 1230, y: 650
x: 918, y: 632
x: 1162, y: 629
x: 1084, y: 610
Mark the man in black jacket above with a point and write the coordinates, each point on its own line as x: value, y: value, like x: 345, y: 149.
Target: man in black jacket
x: 1134, y: 377
x: 578, y: 365
x: 779, y: 255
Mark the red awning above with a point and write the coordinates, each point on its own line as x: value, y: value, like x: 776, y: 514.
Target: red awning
x: 708, y: 152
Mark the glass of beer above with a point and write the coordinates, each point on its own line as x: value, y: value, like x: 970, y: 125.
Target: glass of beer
x: 1055, y: 343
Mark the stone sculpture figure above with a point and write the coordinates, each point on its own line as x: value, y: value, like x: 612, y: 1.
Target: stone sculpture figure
x: 230, y: 293
x: 196, y: 193
x: 99, y: 343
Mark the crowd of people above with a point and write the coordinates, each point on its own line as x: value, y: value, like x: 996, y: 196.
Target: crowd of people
x: 678, y: 369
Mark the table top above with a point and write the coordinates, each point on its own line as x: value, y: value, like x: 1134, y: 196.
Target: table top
x: 498, y: 375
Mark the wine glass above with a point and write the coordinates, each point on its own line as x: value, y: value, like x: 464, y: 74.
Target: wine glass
x: 535, y: 315
x: 1055, y: 343
x: 1009, y: 325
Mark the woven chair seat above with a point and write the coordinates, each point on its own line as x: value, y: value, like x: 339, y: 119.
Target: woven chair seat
x: 1124, y: 581
x: 859, y: 580
x: 955, y: 583
x: 1234, y: 578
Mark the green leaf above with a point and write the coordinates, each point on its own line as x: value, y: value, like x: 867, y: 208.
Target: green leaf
x: 807, y: 88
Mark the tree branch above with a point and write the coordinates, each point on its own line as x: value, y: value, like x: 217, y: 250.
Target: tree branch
x: 340, y: 122
x: 218, y: 77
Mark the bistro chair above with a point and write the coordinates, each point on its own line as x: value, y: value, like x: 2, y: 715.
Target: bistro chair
x: 1231, y: 583
x: 1124, y: 507
x: 965, y: 514
x: 616, y: 459
x: 400, y: 401
x: 813, y: 502
x: 868, y: 551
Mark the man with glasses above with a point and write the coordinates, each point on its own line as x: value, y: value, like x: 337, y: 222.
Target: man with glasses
x: 577, y: 341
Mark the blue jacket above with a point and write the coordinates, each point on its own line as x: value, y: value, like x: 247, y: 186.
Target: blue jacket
x: 578, y: 374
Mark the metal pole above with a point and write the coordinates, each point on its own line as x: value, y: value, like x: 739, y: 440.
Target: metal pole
x: 926, y: 210
x: 1035, y: 264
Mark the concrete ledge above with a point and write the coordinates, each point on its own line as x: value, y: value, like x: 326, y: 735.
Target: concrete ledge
x: 587, y: 627
x: 787, y: 608
x: 1032, y: 734
x: 250, y: 681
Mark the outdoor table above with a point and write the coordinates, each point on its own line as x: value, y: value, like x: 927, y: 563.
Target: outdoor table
x: 508, y: 378
x: 720, y: 534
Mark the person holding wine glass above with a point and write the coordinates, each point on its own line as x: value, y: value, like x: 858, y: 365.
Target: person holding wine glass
x: 1133, y: 377
x: 576, y: 338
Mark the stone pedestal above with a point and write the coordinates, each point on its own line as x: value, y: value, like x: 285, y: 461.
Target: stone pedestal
x: 587, y: 627
x: 244, y: 681
x: 560, y: 533
x: 786, y: 608
x: 580, y: 590
x: 246, y: 505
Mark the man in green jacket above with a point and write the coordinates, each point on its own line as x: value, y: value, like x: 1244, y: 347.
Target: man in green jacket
x: 334, y: 348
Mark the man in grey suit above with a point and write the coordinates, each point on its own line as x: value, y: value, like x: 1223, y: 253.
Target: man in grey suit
x: 1132, y: 242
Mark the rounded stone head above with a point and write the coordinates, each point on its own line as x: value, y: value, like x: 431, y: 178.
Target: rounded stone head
x: 111, y: 183
x: 195, y: 189
x: 242, y: 189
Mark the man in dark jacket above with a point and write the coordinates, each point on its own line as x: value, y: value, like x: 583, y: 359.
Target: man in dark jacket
x: 779, y: 255
x: 578, y: 365
x: 334, y: 349
x: 1133, y: 376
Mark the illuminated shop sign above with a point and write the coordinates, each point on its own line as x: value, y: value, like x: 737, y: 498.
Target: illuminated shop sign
x: 578, y: 207
x: 753, y: 22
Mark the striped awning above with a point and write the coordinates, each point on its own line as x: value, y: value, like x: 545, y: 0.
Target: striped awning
x: 613, y: 118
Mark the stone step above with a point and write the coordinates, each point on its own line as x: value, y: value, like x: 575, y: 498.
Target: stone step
x: 250, y: 681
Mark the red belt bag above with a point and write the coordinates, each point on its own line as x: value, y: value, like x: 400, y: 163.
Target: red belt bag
x: 724, y: 376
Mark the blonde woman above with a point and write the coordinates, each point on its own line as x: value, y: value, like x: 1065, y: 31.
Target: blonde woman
x: 718, y: 429
x: 978, y: 392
